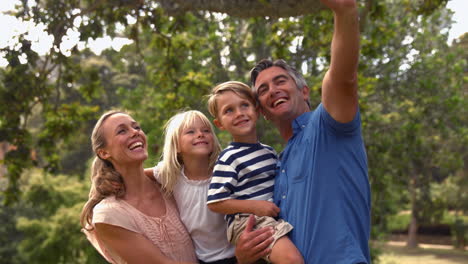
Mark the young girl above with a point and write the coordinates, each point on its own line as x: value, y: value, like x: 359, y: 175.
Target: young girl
x: 190, y: 152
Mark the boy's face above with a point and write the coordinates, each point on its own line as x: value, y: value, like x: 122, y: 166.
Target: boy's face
x: 238, y: 116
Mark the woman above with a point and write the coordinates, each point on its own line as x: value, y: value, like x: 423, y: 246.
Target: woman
x: 127, y: 218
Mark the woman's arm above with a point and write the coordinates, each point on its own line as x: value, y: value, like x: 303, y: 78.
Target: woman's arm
x: 131, y: 246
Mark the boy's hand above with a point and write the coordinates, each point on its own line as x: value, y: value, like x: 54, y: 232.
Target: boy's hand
x: 264, y: 208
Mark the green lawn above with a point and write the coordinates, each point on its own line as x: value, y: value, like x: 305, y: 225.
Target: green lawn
x: 398, y: 254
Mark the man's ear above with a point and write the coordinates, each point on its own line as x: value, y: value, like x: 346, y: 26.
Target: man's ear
x: 261, y: 112
x: 305, y: 92
x: 218, y: 124
x: 103, y: 154
x: 257, y: 111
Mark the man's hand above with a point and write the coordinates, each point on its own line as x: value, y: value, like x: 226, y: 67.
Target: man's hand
x: 253, y: 244
x: 339, y: 5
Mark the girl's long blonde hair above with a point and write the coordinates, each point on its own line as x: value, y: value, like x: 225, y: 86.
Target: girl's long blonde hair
x: 171, y: 165
x: 105, y: 180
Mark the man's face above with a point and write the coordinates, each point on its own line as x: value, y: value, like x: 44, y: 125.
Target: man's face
x: 278, y: 95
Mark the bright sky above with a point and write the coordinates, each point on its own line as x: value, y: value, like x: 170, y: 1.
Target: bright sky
x: 41, y: 42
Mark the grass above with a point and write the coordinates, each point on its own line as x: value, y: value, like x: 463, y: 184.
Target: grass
x: 399, y: 254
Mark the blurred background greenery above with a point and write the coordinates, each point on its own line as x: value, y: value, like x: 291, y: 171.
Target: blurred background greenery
x: 412, y: 87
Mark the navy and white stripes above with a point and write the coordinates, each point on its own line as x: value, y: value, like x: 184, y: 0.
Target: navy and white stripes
x: 243, y: 171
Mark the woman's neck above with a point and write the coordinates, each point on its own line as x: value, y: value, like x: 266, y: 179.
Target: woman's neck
x: 135, y: 180
x: 197, y: 168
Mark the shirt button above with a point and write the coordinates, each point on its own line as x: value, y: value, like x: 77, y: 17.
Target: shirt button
x: 282, y: 171
x: 303, y: 126
x: 284, y: 196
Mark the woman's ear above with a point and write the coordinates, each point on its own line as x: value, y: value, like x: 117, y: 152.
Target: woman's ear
x: 103, y: 154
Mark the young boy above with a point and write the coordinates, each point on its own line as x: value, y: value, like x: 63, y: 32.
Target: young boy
x: 243, y: 177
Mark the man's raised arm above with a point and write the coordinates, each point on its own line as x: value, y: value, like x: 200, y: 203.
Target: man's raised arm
x: 339, y: 87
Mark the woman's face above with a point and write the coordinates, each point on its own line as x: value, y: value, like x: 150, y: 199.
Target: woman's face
x: 196, y: 140
x: 125, y: 141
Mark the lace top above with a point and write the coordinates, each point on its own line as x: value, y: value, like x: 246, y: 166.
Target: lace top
x: 166, y: 232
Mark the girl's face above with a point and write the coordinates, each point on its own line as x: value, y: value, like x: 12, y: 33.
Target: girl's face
x: 195, y: 140
x: 125, y: 141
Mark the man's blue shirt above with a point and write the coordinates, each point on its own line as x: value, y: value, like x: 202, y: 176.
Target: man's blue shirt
x: 322, y: 189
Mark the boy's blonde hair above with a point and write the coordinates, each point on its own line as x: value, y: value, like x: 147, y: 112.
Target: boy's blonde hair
x: 171, y: 164
x: 239, y: 88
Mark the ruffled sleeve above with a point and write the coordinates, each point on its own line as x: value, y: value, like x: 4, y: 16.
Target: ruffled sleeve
x: 113, y: 212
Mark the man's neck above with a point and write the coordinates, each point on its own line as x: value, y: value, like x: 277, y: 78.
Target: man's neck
x: 286, y: 131
x: 285, y: 127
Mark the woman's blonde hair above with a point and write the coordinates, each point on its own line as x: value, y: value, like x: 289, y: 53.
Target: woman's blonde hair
x: 105, y: 180
x: 171, y: 165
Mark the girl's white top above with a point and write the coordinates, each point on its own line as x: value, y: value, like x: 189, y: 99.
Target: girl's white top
x: 207, y: 228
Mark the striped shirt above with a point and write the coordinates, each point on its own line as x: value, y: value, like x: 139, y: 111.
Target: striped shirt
x: 243, y: 171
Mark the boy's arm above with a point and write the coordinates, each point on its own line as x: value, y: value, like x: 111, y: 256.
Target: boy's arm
x: 339, y: 87
x: 256, y: 207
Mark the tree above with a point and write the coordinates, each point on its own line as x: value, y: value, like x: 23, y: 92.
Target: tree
x: 47, y: 80
x: 417, y: 91
x: 52, y: 227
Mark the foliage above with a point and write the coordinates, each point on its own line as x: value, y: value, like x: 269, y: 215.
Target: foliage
x: 52, y: 227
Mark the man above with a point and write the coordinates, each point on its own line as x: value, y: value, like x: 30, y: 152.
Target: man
x: 322, y: 185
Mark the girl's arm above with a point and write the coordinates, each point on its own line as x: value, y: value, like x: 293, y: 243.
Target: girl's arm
x: 132, y: 247
x: 256, y: 207
x: 149, y: 173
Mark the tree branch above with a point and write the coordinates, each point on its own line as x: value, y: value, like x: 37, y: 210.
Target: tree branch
x: 245, y: 8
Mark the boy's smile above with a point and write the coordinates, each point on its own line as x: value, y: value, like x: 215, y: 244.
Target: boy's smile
x: 238, y: 116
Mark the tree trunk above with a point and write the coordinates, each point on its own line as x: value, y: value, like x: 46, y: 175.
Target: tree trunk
x: 3, y: 150
x: 412, y: 232
x: 412, y: 241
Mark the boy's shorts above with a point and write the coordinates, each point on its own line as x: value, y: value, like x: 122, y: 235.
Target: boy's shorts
x: 239, y: 223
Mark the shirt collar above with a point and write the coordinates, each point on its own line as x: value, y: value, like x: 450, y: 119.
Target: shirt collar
x: 300, y: 122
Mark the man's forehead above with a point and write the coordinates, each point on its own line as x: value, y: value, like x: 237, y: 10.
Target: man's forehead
x: 271, y: 73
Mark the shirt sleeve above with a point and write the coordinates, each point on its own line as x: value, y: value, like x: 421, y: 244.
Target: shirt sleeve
x: 349, y: 128
x: 156, y: 175
x: 113, y: 213
x: 223, y: 183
